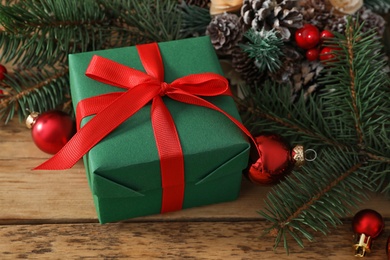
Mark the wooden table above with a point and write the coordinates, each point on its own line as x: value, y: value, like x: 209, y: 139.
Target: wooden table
x: 50, y: 215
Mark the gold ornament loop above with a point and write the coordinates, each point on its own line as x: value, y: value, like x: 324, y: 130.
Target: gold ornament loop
x: 314, y: 157
x: 221, y: 6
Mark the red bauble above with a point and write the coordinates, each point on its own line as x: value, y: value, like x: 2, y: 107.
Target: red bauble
x: 51, y: 130
x: 312, y: 54
x: 3, y: 71
x: 307, y: 37
x: 367, y: 224
x: 274, y: 162
x: 388, y: 248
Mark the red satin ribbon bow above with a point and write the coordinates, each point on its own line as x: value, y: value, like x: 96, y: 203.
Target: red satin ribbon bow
x: 113, y: 109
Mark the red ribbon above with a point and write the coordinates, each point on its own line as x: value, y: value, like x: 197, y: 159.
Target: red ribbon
x: 141, y: 88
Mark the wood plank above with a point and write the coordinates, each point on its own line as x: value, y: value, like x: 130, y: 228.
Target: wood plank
x: 175, y: 240
x: 64, y: 196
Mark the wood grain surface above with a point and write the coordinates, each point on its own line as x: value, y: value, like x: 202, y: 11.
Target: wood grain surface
x: 50, y: 215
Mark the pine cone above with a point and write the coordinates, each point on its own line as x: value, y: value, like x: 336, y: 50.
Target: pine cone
x: 246, y: 67
x: 371, y: 21
x: 290, y: 66
x: 306, y: 78
x: 200, y: 3
x: 281, y: 15
x: 225, y: 32
x: 316, y: 12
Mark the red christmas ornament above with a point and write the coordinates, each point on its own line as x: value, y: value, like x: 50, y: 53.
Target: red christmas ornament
x: 275, y: 161
x: 312, y: 54
x: 388, y: 248
x: 50, y: 130
x: 367, y: 224
x: 3, y: 71
x: 307, y: 37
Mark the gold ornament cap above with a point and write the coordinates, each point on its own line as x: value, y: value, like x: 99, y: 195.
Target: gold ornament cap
x: 347, y: 6
x: 363, y: 245
x: 298, y: 155
x: 30, y: 120
x: 222, y: 6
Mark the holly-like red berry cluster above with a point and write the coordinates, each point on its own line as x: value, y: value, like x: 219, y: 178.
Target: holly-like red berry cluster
x: 310, y: 39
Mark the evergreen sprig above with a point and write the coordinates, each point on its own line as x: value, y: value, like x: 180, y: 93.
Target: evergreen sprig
x: 265, y: 47
x: 155, y: 20
x: 38, y: 33
x: 327, y: 190
x: 37, y: 36
x: 33, y: 90
x: 379, y: 6
x: 195, y: 19
x: 347, y: 127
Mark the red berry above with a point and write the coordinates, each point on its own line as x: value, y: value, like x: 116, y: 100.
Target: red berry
x: 307, y: 37
x: 3, y: 71
x: 312, y: 54
x: 326, y: 34
x: 327, y: 54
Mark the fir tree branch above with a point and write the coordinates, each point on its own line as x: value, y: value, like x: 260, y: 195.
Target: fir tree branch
x: 351, y: 60
x: 377, y: 157
x: 315, y: 197
x: 272, y: 109
x: 320, y: 194
x: 284, y: 122
x: 194, y: 20
x: 158, y: 20
x: 380, y: 6
x: 39, y: 91
x: 6, y: 101
x: 45, y: 32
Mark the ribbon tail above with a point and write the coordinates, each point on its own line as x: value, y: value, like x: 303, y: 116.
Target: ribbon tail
x: 171, y: 156
x: 99, y: 127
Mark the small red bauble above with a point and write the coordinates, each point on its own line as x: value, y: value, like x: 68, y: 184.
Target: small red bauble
x: 307, y: 37
x: 312, y: 54
x: 51, y: 130
x: 388, y: 248
x: 3, y: 71
x: 327, y: 53
x: 367, y: 224
x: 326, y: 34
x: 275, y: 161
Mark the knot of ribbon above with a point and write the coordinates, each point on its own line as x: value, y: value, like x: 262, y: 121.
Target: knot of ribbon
x: 141, y: 88
x: 164, y: 87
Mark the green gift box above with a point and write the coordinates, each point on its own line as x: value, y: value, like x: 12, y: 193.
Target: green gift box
x: 123, y: 169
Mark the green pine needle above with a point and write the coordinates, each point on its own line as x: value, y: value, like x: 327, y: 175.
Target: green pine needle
x: 265, y: 47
